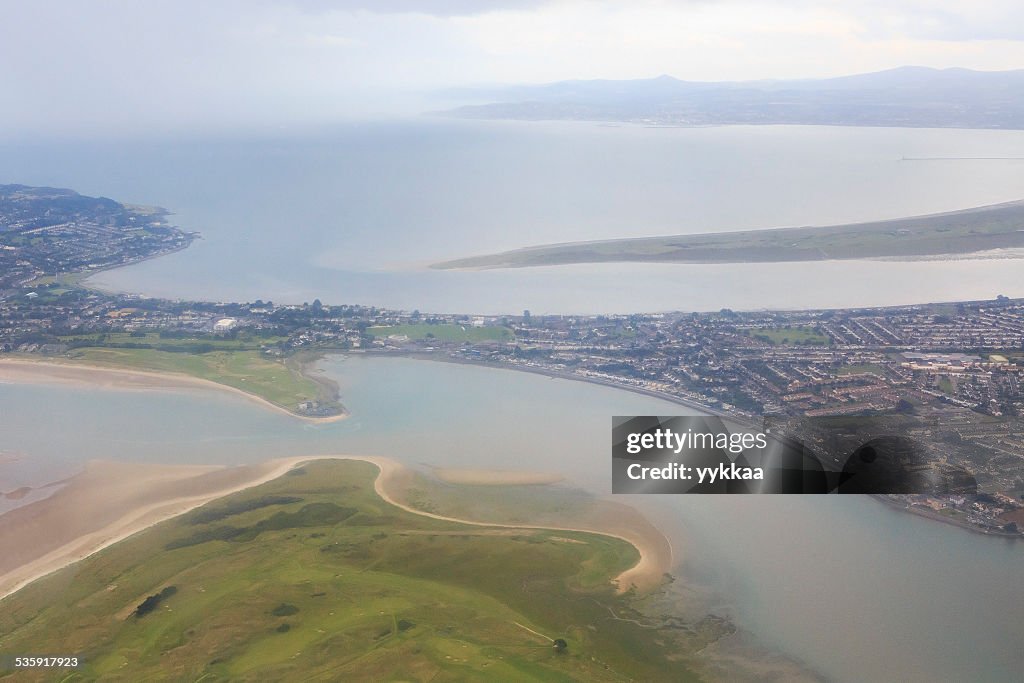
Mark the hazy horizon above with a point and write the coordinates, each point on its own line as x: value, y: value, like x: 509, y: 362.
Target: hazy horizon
x: 121, y: 68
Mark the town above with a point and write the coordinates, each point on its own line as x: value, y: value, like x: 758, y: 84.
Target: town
x: 947, y: 375
x: 45, y: 232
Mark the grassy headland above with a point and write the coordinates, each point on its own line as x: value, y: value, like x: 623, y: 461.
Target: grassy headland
x: 281, y: 382
x: 246, y: 370
x: 312, y: 576
x: 1000, y: 226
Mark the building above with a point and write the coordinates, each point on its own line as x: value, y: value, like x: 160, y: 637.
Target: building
x: 224, y: 325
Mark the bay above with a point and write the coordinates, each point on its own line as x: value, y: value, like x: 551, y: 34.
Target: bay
x: 850, y: 588
x: 355, y: 213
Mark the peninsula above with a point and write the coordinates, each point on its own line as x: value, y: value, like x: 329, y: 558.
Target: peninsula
x: 954, y: 234
x: 46, y: 232
x: 52, y: 239
x: 312, y: 569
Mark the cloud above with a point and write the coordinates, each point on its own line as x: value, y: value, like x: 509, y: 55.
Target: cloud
x: 436, y: 8
x: 936, y: 20
x: 121, y: 65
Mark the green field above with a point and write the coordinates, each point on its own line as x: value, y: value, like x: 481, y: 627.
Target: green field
x: 50, y: 288
x: 790, y: 335
x: 444, y: 332
x: 65, y: 280
x: 530, y: 505
x: 249, y: 371
x: 154, y: 340
x: 317, y: 578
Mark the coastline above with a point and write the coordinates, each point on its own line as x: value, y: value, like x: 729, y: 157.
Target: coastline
x: 656, y: 555
x: 935, y: 234
x: 944, y: 519
x: 910, y: 509
x: 129, y: 498
x: 556, y: 374
x: 49, y: 370
x: 83, y: 276
x: 88, y: 275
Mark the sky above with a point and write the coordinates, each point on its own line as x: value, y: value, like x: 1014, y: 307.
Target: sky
x: 109, y: 66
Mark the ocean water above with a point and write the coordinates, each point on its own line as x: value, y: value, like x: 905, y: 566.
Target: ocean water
x: 854, y: 590
x: 354, y: 213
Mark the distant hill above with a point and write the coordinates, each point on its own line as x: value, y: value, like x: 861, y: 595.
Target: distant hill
x: 908, y: 96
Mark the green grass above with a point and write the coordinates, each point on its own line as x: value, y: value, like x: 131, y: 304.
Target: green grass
x: 154, y: 340
x: 444, y: 332
x: 530, y: 505
x: 791, y: 336
x: 378, y: 595
x: 249, y: 371
x: 69, y: 280
x: 963, y: 232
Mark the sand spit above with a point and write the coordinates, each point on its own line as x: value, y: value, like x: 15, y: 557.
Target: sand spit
x: 100, y: 377
x: 608, y: 519
x: 111, y: 501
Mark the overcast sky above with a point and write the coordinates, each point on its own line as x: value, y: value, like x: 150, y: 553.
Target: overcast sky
x: 132, y: 65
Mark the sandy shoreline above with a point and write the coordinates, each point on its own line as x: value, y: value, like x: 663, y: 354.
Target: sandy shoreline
x: 617, y: 521
x: 107, y: 503
x: 556, y: 374
x: 111, y: 501
x: 22, y: 371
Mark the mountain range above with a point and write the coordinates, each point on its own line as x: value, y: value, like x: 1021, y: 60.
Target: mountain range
x: 903, y: 97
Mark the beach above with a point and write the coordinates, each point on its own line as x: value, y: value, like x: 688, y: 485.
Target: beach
x: 106, y: 503
x: 16, y: 370
x: 110, y: 501
x: 608, y: 519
